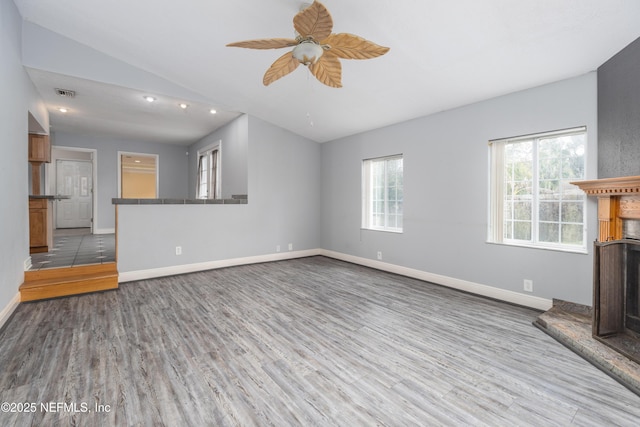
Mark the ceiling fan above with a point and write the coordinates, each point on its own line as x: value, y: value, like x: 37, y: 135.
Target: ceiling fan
x: 315, y: 47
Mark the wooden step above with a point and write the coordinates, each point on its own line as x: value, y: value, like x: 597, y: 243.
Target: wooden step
x: 59, y: 282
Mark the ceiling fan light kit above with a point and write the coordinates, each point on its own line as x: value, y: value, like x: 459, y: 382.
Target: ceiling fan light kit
x: 307, y: 52
x: 315, y: 47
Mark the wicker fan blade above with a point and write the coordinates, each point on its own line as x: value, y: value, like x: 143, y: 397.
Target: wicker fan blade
x: 314, y: 21
x: 328, y: 70
x: 349, y: 46
x: 265, y: 43
x: 280, y: 68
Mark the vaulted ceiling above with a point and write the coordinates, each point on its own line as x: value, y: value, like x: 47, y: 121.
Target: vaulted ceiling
x: 443, y: 54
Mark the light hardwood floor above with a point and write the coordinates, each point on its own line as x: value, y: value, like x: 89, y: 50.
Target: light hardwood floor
x: 312, y: 341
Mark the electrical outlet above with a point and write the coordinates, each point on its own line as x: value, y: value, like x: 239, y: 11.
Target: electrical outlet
x: 178, y: 250
x: 528, y: 285
x: 278, y: 248
x: 290, y: 246
x: 380, y: 255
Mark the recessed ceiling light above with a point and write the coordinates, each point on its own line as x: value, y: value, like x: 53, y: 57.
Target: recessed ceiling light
x: 212, y: 111
x: 62, y: 110
x: 183, y: 105
x: 149, y: 98
x: 137, y: 161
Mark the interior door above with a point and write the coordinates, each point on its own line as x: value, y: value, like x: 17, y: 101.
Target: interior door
x: 74, y: 178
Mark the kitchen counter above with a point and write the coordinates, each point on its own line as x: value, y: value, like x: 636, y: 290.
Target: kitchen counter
x: 234, y: 200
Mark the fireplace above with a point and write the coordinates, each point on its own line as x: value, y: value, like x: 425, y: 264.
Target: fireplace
x: 616, y: 283
x: 616, y: 290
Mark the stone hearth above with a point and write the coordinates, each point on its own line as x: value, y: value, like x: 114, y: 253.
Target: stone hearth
x: 570, y: 324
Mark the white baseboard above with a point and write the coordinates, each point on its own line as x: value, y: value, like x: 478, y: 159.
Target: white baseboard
x: 463, y: 285
x: 129, y: 276
x: 6, y: 312
x: 451, y: 282
x: 104, y: 231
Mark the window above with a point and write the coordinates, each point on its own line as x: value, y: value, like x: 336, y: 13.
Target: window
x: 382, y: 193
x: 209, y: 172
x: 532, y: 202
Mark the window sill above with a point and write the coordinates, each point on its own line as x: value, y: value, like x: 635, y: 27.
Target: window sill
x: 382, y: 230
x: 579, y: 251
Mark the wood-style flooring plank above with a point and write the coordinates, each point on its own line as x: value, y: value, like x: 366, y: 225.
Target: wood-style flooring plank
x: 312, y: 341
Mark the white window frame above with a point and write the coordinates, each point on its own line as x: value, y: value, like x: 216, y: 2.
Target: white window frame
x: 212, y: 193
x: 497, y: 193
x: 368, y: 222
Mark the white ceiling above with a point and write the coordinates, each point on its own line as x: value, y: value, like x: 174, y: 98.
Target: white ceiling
x: 109, y: 110
x: 444, y: 53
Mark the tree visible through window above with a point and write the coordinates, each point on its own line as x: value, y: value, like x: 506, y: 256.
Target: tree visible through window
x: 532, y: 200
x: 382, y: 193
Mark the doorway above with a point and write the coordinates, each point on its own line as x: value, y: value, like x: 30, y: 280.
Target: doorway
x: 73, y: 171
x: 137, y: 175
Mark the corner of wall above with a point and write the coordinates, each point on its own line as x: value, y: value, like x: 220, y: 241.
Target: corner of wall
x: 8, y: 310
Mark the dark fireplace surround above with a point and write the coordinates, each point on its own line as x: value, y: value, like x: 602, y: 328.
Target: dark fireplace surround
x: 615, y: 298
x: 616, y: 290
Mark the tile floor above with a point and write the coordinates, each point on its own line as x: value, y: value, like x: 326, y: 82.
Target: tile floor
x: 76, y: 247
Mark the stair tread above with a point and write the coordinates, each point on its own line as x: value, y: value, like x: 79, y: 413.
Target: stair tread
x: 64, y: 280
x: 67, y: 281
x: 65, y: 272
x: 76, y: 284
x: 82, y: 267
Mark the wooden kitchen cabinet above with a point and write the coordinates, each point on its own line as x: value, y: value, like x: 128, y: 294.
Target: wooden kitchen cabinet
x: 40, y: 225
x: 39, y: 148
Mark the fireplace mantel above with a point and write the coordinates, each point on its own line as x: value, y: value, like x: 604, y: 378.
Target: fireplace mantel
x: 618, y: 199
x: 610, y: 186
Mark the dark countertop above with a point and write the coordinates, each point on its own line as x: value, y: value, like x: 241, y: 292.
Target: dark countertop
x: 48, y: 197
x: 232, y: 201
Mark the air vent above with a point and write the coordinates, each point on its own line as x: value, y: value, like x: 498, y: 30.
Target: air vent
x: 67, y: 93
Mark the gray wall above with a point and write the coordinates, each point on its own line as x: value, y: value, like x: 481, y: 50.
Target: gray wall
x: 172, y: 169
x: 14, y: 216
x: 234, y: 162
x: 446, y: 192
x: 619, y: 114
x: 283, y: 208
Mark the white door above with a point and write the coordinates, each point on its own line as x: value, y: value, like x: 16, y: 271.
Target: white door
x: 74, y: 179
